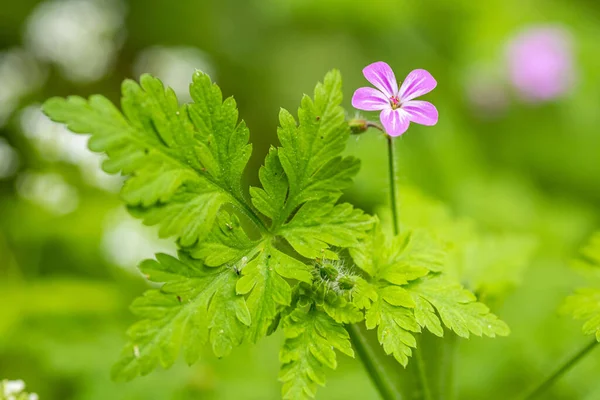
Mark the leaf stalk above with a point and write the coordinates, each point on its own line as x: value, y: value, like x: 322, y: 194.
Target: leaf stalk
x: 560, y: 371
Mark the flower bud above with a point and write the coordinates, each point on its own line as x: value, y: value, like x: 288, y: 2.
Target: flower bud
x: 358, y: 126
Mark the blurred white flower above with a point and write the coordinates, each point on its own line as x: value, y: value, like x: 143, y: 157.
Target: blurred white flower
x: 48, y: 190
x: 13, y: 390
x: 81, y: 37
x: 20, y: 75
x: 174, y: 66
x: 13, y: 387
x: 54, y: 142
x: 126, y: 241
x: 9, y: 159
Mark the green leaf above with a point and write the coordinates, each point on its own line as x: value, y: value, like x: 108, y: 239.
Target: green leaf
x: 492, y: 265
x: 186, y: 313
x: 391, y: 262
x: 227, y: 242
x: 318, y: 225
x: 396, y: 296
x: 395, y: 327
x: 304, y: 177
x: 585, y: 305
x: 589, y: 257
x: 310, y: 339
x: 187, y: 214
x: 488, y: 264
x: 426, y: 316
x: 310, y: 154
x: 310, y: 151
x: 342, y: 311
x: 268, y: 292
x: 225, y: 147
x: 404, y: 289
x: 270, y: 199
x: 182, y: 162
x: 364, y: 294
x: 457, y: 307
x: 398, y: 259
x: 183, y: 166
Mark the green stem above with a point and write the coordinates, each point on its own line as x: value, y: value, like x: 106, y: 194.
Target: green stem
x: 542, y: 387
x: 375, y: 362
x: 422, y: 381
x: 242, y: 207
x: 421, y: 373
x: 393, y: 168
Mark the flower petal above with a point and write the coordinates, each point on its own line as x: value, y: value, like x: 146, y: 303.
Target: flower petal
x: 369, y: 99
x: 395, y: 122
x: 381, y: 76
x: 417, y: 83
x: 421, y: 112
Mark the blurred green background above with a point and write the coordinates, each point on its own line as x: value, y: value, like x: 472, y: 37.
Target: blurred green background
x: 512, y: 166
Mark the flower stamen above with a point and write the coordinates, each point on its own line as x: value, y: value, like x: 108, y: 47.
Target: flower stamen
x: 395, y: 102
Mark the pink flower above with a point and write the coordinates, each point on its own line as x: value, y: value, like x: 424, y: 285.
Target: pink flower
x: 398, y: 109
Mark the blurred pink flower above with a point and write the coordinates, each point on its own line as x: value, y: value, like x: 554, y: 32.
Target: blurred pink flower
x: 540, y: 63
x: 398, y: 109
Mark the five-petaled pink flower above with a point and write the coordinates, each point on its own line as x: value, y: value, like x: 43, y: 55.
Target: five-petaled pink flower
x: 398, y: 109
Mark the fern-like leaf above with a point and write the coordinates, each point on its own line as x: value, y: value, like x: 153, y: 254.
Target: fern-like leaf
x: 179, y: 172
x: 186, y: 312
x: 404, y: 291
x: 458, y: 308
x: 236, y: 275
x: 310, y: 339
x: 584, y: 304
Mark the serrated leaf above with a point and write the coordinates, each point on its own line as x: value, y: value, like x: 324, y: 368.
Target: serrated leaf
x: 268, y: 292
x: 494, y: 264
x: 223, y: 139
x: 183, y: 166
x: 182, y: 162
x: 226, y: 242
x: 186, y: 313
x: 397, y: 296
x: 309, y: 156
x: 317, y: 225
x: 270, y: 199
x: 398, y: 259
x: 426, y: 316
x: 311, y: 337
x: 364, y: 294
x: 585, y: 305
x: 457, y: 307
x: 342, y: 311
x: 310, y: 151
x: 488, y: 264
x: 187, y: 214
x: 395, y: 327
x: 589, y: 256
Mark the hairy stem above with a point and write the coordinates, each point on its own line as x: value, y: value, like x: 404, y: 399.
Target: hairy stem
x: 375, y: 361
x: 393, y: 174
x: 550, y: 380
x: 423, y: 390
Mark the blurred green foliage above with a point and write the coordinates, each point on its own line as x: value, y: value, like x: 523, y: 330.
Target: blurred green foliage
x: 527, y: 171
